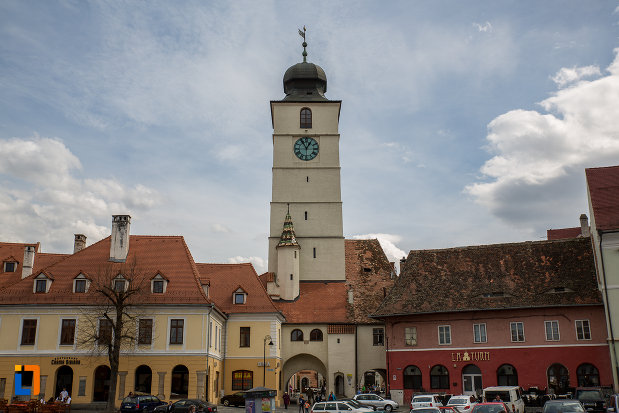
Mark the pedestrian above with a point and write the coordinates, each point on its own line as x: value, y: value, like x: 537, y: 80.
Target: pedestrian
x: 307, y: 407
x: 310, y: 397
x: 332, y: 396
x: 286, y: 400
x: 301, y: 404
x: 64, y: 394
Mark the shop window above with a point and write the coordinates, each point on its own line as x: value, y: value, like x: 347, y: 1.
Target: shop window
x: 378, y: 336
x: 316, y: 335
x: 244, y: 337
x: 296, y: 335
x: 583, y: 330
x: 410, y: 336
x: 439, y: 377
x: 517, y: 331
x: 507, y: 375
x: 552, y: 330
x: 444, y: 335
x: 588, y: 375
x: 306, y: 118
x: 412, y: 378
x: 479, y: 333
x: 242, y: 380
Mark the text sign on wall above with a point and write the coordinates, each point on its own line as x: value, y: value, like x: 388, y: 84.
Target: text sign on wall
x: 471, y: 356
x: 65, y: 360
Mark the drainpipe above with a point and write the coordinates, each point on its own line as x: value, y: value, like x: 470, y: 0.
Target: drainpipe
x: 608, y: 313
x: 208, y: 347
x: 388, y: 380
x: 356, y: 362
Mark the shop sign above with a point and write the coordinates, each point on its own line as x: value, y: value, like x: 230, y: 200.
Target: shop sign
x: 471, y: 356
x: 65, y: 360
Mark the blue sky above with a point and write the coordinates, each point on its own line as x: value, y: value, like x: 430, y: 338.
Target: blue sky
x: 462, y: 123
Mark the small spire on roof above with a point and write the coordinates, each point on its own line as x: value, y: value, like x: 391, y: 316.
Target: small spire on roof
x: 288, y: 238
x: 304, y: 44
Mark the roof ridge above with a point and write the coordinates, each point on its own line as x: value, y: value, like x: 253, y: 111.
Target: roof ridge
x: 467, y: 247
x: 196, y: 273
x: 266, y: 293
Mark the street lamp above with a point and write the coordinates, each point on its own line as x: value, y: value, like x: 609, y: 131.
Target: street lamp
x: 264, y: 358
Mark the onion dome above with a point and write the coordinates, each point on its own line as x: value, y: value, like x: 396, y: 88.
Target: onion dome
x: 288, y: 238
x: 305, y: 81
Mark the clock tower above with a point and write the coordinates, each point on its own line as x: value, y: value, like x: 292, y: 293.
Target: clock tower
x: 306, y: 195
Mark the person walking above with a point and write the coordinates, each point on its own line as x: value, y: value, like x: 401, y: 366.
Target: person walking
x: 286, y: 400
x: 301, y: 404
x: 332, y: 396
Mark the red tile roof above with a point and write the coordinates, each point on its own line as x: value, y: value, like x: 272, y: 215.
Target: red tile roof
x: 603, y: 184
x: 318, y: 302
x: 225, y: 279
x: 518, y: 275
x: 10, y: 251
x: 147, y: 256
x: 563, y: 233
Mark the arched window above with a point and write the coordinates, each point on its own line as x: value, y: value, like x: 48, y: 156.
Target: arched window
x: 180, y: 382
x: 296, y: 335
x: 439, y: 377
x: 316, y: 335
x: 412, y: 378
x: 506, y: 375
x: 558, y: 378
x: 143, y: 379
x: 588, y: 375
x: 242, y: 380
x: 306, y: 118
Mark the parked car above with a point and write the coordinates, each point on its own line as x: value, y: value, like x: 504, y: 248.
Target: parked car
x: 142, y: 403
x: 510, y: 395
x: 234, y: 399
x: 463, y: 403
x: 563, y: 406
x: 449, y: 409
x: 339, y: 406
x: 426, y: 400
x: 613, y: 403
x: 492, y: 407
x: 591, y: 398
x: 377, y: 402
x: 183, y: 406
x: 426, y: 410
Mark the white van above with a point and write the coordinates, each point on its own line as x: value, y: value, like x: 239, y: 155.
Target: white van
x: 510, y: 395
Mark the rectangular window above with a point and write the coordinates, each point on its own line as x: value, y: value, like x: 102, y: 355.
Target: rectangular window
x: 242, y: 380
x: 444, y: 335
x: 80, y: 286
x: 158, y: 287
x: 410, y: 336
x: 28, y: 332
x: 176, y: 331
x: 239, y: 298
x: 479, y: 333
x: 583, y: 330
x: 378, y: 336
x: 517, y: 330
x: 552, y: 330
x: 41, y: 286
x: 244, y: 338
x: 145, y: 331
x: 10, y: 266
x: 314, y: 252
x: 119, y: 286
x: 105, y: 332
x: 67, y: 332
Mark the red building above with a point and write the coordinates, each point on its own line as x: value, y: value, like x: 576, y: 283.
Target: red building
x: 527, y: 314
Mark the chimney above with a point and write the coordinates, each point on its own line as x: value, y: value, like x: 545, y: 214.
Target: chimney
x: 584, y: 226
x: 28, y: 263
x: 119, y: 245
x: 79, y: 243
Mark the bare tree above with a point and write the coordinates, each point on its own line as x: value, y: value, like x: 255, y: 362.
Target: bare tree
x: 116, y: 290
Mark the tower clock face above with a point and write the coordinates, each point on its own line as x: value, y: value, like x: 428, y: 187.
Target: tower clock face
x: 306, y: 148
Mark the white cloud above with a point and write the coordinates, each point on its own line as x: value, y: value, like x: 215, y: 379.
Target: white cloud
x: 486, y: 27
x: 50, y: 200
x: 539, y: 158
x: 220, y: 228
x: 259, y: 263
x: 388, y: 243
x: 566, y: 75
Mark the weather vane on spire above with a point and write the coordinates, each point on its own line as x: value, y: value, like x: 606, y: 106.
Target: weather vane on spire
x: 304, y: 44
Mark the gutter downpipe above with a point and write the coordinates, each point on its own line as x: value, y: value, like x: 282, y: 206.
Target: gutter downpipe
x: 354, y: 392
x: 610, y: 324
x: 208, y: 347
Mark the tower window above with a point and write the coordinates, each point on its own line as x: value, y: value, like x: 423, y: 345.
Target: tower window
x: 306, y: 118
x: 306, y: 215
x: 291, y: 277
x: 314, y: 252
x: 307, y: 178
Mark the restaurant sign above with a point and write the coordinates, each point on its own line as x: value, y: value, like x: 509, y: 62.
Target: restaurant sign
x: 471, y: 356
x: 65, y: 360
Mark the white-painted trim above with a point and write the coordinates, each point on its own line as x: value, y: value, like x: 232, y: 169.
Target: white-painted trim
x: 475, y: 348
x: 576, y: 329
x: 545, y: 332
x: 485, y: 331
x: 80, y: 277
x: 438, y: 331
x: 36, y: 334
x: 140, y: 347
x: 176, y: 346
x: 87, y: 353
x: 65, y: 346
x: 524, y: 337
x: 158, y: 277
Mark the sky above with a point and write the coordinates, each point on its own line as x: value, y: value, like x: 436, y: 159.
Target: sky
x: 462, y: 122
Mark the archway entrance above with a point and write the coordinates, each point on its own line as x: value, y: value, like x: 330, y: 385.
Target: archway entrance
x: 64, y: 380
x: 180, y: 382
x: 558, y: 378
x: 101, y: 384
x: 373, y: 380
x: 471, y: 380
x: 143, y: 379
x: 303, y: 373
x: 339, y: 385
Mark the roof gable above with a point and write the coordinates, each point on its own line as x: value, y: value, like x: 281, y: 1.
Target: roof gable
x: 603, y: 186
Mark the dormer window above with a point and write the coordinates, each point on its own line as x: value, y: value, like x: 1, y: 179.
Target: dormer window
x: 80, y: 284
x: 41, y: 284
x: 306, y: 118
x: 158, y: 284
x: 10, y: 266
x: 119, y: 284
x: 239, y: 296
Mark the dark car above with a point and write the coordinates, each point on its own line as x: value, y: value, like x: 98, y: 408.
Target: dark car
x: 591, y: 398
x: 234, y: 399
x: 184, y: 405
x: 141, y: 403
x: 490, y: 407
x: 563, y: 406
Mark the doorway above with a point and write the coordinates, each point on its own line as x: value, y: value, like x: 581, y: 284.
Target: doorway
x: 102, y: 384
x: 471, y: 381
x: 64, y: 380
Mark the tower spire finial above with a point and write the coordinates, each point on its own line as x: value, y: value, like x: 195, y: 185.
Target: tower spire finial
x: 304, y: 44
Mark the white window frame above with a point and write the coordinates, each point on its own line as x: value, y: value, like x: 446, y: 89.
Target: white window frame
x: 447, y: 330
x: 576, y: 322
x: 552, y: 323
x: 64, y: 346
x: 482, y: 338
x: 414, y: 334
x: 158, y: 277
x: 81, y: 277
x: 513, y: 324
x: 239, y: 292
x: 119, y: 278
x: 41, y: 277
x: 10, y: 262
x: 36, y: 334
x: 174, y: 346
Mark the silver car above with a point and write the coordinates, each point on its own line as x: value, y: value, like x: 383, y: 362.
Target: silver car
x: 337, y: 406
x: 376, y: 402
